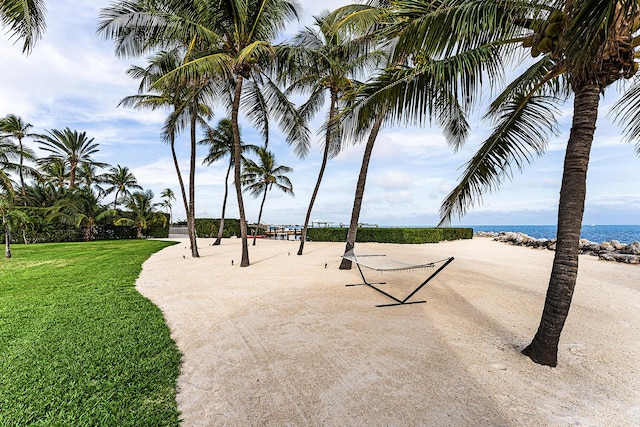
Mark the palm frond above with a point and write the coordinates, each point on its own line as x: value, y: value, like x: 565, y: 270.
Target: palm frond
x: 521, y: 133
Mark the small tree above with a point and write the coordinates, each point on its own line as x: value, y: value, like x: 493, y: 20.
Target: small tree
x: 142, y: 211
x: 259, y: 178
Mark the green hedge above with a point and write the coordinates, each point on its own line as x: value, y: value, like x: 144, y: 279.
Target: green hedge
x: 391, y: 235
x: 208, y: 227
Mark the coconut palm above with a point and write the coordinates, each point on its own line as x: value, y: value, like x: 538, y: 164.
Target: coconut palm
x: 24, y: 19
x: 13, y: 126
x: 88, y: 175
x: 580, y: 49
x: 321, y: 62
x: 120, y: 180
x: 167, y: 196
x: 70, y: 147
x: 185, y: 100
x: 143, y: 212
x: 221, y: 144
x: 231, y: 41
x: 259, y: 178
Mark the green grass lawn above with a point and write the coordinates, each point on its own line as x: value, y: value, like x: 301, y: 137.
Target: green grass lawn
x: 79, y: 346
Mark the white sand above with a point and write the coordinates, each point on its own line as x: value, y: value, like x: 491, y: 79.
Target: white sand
x: 285, y: 343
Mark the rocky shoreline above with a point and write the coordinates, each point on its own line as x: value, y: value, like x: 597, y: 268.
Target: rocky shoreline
x: 606, y: 251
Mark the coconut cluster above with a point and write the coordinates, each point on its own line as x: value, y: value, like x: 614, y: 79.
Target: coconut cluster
x: 549, y: 36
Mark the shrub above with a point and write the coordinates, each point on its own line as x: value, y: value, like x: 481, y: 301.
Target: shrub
x: 391, y: 235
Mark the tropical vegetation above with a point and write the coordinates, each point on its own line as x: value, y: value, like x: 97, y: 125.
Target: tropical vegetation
x: 62, y: 196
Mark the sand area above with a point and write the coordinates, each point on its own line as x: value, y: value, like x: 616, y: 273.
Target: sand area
x: 285, y: 343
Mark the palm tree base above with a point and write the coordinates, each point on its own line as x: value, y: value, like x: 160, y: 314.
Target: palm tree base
x: 540, y: 356
x: 345, y: 264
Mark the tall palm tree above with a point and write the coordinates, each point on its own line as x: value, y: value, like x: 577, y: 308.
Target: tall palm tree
x: 167, y: 196
x: 187, y: 108
x: 259, y: 178
x: 70, y: 147
x: 24, y: 19
x: 143, y: 212
x: 321, y: 62
x: 120, y: 180
x: 14, y: 126
x: 231, y: 41
x: 221, y: 144
x: 580, y: 49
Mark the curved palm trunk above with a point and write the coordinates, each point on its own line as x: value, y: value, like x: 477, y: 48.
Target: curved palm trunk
x: 237, y: 153
x: 115, y: 200
x: 362, y: 181
x: 7, y: 244
x: 224, y: 205
x: 544, y: 347
x: 325, y: 157
x: 264, y: 197
x: 191, y: 215
x: 180, y: 181
x: 21, y: 173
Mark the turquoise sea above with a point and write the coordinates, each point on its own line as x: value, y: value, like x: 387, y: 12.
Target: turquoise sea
x: 593, y: 233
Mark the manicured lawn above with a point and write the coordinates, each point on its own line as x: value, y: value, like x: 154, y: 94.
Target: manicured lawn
x: 79, y: 346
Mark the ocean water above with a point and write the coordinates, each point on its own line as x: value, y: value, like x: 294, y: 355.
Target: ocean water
x: 593, y: 233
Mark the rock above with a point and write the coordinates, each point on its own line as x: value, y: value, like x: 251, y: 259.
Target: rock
x: 631, y: 249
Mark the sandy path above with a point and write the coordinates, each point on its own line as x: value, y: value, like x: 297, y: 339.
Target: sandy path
x: 285, y: 343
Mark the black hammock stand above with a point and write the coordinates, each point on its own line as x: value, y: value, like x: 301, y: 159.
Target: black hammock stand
x: 384, y: 263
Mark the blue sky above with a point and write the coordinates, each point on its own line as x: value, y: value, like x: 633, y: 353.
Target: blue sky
x: 73, y: 79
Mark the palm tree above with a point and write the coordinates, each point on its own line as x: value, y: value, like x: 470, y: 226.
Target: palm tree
x: 581, y: 48
x: 230, y: 41
x: 9, y: 152
x: 221, y: 144
x: 320, y: 61
x: 80, y: 209
x: 54, y: 172
x: 143, y: 212
x: 14, y: 126
x: 185, y: 100
x: 25, y: 20
x: 11, y: 217
x: 259, y: 178
x: 120, y: 180
x: 168, y: 195
x: 88, y: 175
x: 70, y: 147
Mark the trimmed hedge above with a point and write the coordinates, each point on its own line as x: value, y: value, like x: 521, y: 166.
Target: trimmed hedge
x: 208, y: 227
x: 391, y: 235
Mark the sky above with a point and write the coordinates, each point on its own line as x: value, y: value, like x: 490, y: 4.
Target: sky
x: 73, y: 79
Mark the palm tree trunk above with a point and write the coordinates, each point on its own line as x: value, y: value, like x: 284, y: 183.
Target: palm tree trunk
x: 191, y: 215
x: 224, y: 204
x: 237, y: 154
x: 544, y: 347
x: 180, y: 181
x: 362, y: 181
x: 72, y: 176
x: 264, y: 197
x: 325, y: 157
x: 115, y: 200
x: 7, y: 244
x: 21, y: 173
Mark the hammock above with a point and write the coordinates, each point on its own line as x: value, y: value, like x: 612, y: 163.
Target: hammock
x: 380, y: 262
